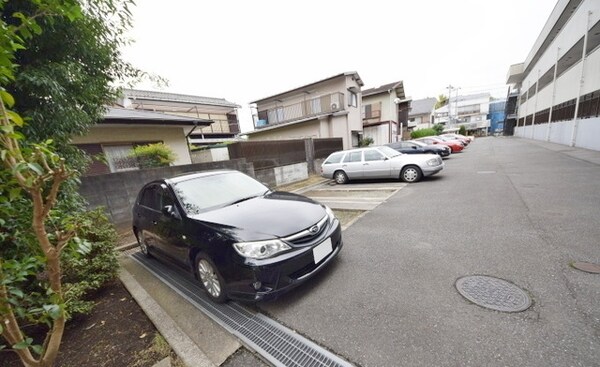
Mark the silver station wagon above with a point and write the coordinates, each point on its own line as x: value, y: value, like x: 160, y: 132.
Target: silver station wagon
x: 379, y: 162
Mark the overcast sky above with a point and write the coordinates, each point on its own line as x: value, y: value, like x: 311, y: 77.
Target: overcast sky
x: 246, y: 50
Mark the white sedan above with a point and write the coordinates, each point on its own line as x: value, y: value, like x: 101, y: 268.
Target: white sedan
x: 379, y: 162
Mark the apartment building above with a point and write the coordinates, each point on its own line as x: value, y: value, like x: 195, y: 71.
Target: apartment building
x: 470, y: 111
x: 558, y: 84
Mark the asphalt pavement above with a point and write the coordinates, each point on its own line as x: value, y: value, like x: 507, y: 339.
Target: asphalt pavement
x: 511, y: 208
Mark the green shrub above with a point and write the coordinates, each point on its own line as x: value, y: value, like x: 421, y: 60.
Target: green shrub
x: 423, y: 132
x: 83, y: 274
x: 365, y: 142
x: 439, y: 128
x: 153, y: 155
x: 462, y: 130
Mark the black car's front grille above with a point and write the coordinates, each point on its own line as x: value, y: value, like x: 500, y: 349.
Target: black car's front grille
x: 310, y: 234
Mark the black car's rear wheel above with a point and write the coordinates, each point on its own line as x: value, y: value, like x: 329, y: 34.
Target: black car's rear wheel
x: 210, y: 278
x: 340, y: 177
x: 411, y: 174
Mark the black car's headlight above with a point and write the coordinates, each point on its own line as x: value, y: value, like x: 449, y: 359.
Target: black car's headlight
x: 330, y: 213
x: 260, y: 249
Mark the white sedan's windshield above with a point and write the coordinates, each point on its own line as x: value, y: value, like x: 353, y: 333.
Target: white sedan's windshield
x: 202, y: 193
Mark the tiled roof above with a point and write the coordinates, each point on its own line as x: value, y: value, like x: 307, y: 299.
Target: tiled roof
x: 422, y: 106
x: 399, y: 86
x: 352, y: 73
x: 122, y: 115
x: 174, y: 97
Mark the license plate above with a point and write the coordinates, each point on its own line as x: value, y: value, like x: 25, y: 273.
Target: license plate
x: 322, y: 250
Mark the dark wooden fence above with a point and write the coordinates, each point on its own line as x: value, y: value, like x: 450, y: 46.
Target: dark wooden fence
x: 275, y: 153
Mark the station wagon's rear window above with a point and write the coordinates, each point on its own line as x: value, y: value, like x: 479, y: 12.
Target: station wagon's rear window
x: 335, y: 158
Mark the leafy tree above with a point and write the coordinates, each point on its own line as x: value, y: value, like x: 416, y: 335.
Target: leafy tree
x: 442, y: 100
x: 439, y: 128
x: 57, y: 60
x: 462, y: 130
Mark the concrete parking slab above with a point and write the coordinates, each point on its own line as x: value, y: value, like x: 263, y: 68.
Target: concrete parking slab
x: 353, y: 196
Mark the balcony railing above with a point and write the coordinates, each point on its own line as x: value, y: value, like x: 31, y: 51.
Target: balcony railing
x: 322, y: 105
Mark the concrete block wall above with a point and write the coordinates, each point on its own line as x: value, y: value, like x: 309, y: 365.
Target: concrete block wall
x: 117, y: 191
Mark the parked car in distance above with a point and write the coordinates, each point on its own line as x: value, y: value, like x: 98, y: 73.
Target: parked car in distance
x: 466, y: 141
x: 408, y: 148
x: 237, y: 237
x: 417, y: 147
x: 379, y: 162
x: 457, y: 135
x: 454, y: 145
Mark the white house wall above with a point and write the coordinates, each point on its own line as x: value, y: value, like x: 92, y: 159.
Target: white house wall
x: 379, y: 133
x: 111, y: 134
x: 310, y: 129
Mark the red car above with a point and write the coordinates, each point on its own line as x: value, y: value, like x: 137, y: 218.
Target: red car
x: 465, y: 140
x: 454, y: 145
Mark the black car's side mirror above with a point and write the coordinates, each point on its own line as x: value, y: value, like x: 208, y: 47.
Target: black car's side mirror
x: 169, y: 211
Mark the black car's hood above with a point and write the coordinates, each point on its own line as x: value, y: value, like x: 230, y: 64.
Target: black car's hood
x: 277, y: 214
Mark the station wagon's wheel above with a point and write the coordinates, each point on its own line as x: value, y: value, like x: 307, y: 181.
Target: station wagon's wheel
x: 411, y: 174
x: 210, y: 278
x: 340, y: 177
x: 141, y: 239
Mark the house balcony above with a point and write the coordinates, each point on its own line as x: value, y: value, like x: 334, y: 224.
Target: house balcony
x: 323, y: 105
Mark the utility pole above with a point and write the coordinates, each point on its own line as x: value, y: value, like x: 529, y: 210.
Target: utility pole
x: 450, y: 87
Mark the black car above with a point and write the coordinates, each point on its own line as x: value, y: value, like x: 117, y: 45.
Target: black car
x: 240, y: 239
x: 416, y: 147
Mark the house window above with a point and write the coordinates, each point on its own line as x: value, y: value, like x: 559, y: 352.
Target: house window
x: 353, y: 100
x: 119, y: 158
x: 276, y: 115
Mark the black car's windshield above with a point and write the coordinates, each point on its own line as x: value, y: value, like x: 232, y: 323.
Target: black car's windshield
x: 389, y: 151
x: 201, y: 193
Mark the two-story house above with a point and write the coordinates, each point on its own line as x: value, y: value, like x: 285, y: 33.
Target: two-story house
x: 223, y: 113
x: 421, y: 113
x: 385, y: 113
x: 328, y: 108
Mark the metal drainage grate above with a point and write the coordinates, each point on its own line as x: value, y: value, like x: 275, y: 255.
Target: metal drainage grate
x: 587, y: 267
x: 493, y: 293
x: 273, y: 341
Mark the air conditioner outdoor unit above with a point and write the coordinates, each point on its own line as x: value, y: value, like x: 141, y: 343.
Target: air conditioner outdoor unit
x: 334, y: 106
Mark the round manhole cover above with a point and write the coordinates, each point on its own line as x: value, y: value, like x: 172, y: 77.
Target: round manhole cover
x: 493, y: 293
x: 587, y: 267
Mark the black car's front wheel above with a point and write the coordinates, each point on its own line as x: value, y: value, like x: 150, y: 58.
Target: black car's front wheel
x: 142, y: 243
x: 210, y: 278
x: 411, y: 174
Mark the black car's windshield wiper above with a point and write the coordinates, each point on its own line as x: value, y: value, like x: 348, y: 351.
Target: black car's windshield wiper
x: 245, y: 198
